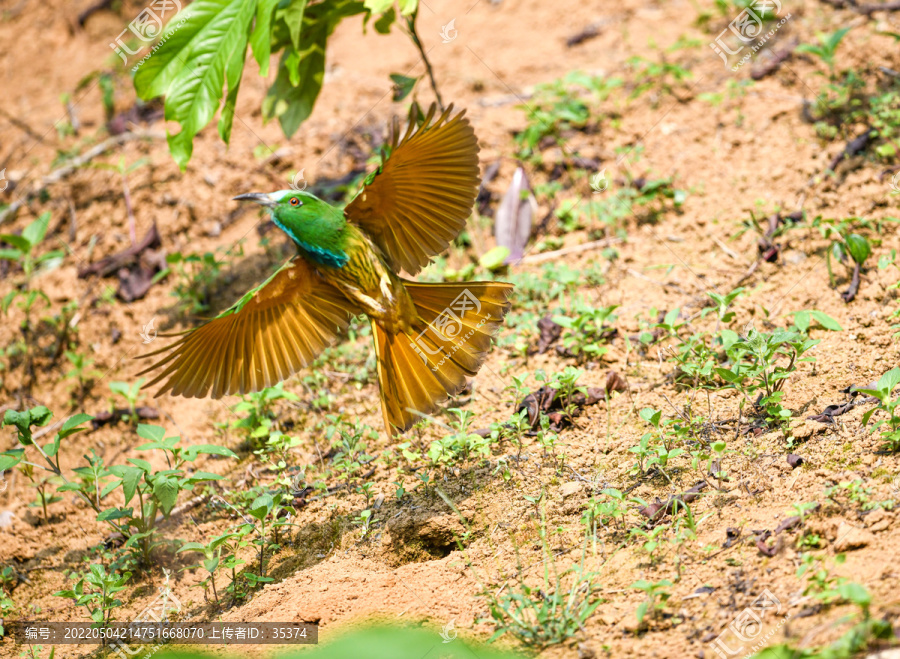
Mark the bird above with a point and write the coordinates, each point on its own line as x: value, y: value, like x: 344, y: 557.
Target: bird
x: 429, y: 337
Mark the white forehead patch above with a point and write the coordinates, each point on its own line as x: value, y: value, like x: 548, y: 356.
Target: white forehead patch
x: 278, y: 195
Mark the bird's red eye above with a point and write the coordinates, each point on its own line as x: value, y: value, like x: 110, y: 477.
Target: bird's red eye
x: 295, y: 201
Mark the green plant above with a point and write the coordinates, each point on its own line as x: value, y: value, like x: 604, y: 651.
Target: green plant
x: 651, y: 540
x: 24, y: 423
x: 212, y: 557
x: 95, y: 590
x: 883, y: 391
x: 23, y: 253
x: 658, y: 446
x: 610, y: 508
x: 8, y: 580
x: 204, y: 55
x: 829, y: 589
x: 663, y: 77
x: 197, y: 277
x: 364, y: 521
x: 350, y: 449
x: 156, y: 492
x: 827, y: 46
x: 259, y: 407
x: 551, y: 613
x: 657, y: 594
x: 275, y: 452
x: 42, y: 484
x: 761, y: 362
x: 264, y: 507
x: 558, y: 108
x: 459, y: 446
x: 854, y: 495
x: 132, y: 395
x: 587, y: 331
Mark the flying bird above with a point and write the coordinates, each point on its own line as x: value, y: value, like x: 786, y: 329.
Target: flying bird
x: 429, y: 337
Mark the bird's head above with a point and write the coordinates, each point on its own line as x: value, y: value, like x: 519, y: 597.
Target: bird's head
x: 289, y: 206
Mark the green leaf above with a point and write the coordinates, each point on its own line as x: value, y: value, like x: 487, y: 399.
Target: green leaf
x: 71, y: 425
x: 889, y: 380
x: 191, y: 546
x: 130, y: 476
x: 9, y: 255
x: 20, y: 243
x: 37, y: 416
x: 378, y: 6
x: 832, y: 41
x: 403, y: 85
x: 261, y: 506
x: 192, y: 67
x: 200, y: 476
x: 146, y: 431
x: 166, y: 492
x: 291, y: 101
x: 858, y: 247
x: 826, y: 321
x: 642, y: 611
x: 10, y: 459
x: 190, y: 453
x: 137, y: 462
x: 383, y: 26
x: 301, y: 70
x: 293, y: 18
x: 853, y: 592
x: 494, y: 258
x: 261, y: 37
x: 111, y: 514
x: 801, y: 320
x: 729, y: 376
x: 34, y: 233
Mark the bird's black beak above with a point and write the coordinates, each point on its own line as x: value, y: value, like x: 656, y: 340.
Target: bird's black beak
x: 259, y: 197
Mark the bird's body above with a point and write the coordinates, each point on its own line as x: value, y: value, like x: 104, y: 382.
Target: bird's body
x: 428, y: 337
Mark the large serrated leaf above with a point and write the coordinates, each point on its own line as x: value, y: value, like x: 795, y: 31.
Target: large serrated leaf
x: 292, y: 104
x: 302, y: 67
x: 192, y: 67
x: 261, y: 37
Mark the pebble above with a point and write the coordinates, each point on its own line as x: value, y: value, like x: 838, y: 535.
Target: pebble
x: 850, y: 537
x: 570, y: 488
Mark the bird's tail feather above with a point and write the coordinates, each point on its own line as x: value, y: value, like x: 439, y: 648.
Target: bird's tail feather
x: 450, y: 340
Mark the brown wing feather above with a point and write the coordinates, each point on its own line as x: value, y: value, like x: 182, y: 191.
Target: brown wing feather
x: 284, y: 326
x: 420, y: 199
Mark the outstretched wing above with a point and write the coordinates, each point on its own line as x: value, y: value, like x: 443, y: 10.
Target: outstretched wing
x: 268, y: 335
x: 419, y: 199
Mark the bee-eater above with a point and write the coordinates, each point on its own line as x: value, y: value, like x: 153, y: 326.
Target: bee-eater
x: 428, y: 337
